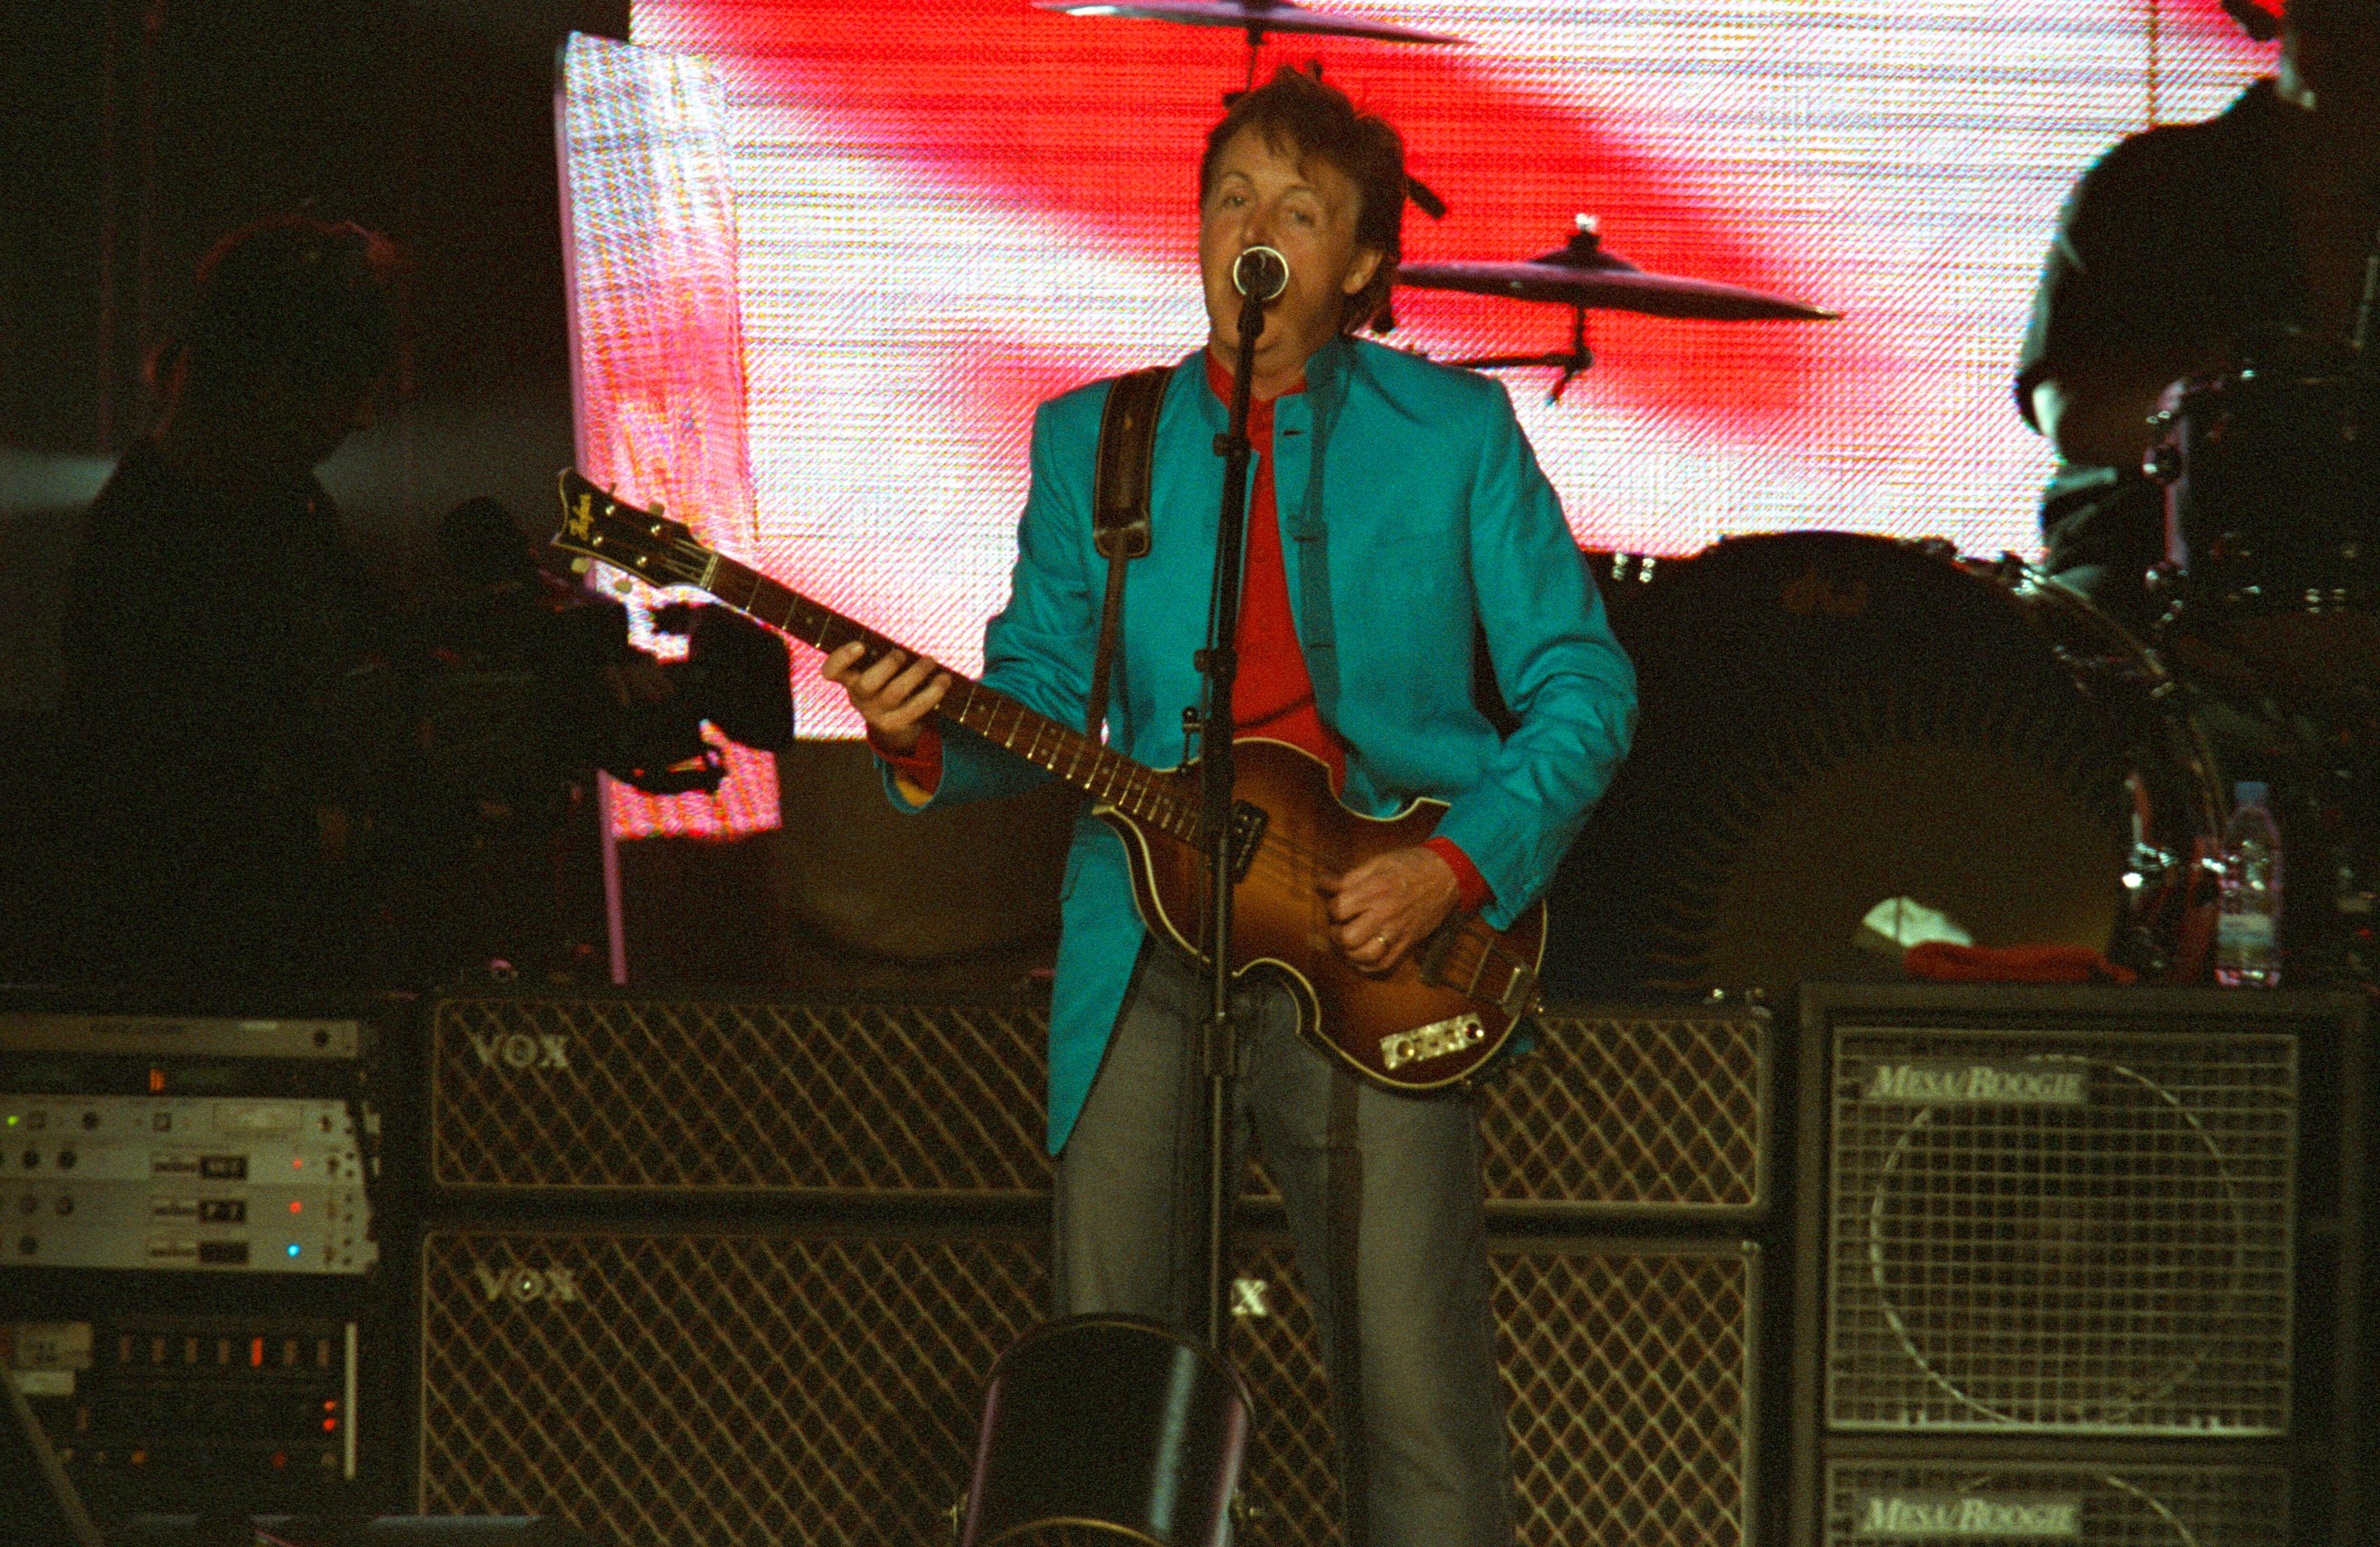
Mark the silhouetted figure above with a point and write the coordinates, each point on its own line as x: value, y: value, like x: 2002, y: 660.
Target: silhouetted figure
x: 216, y: 612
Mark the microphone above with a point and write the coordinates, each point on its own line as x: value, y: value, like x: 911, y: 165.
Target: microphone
x: 1261, y: 273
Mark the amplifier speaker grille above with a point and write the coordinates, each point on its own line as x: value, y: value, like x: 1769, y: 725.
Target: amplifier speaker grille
x: 2071, y: 1231
x: 713, y: 1096
x: 1634, y: 1110
x: 751, y: 1388
x: 1619, y: 1111
x: 1628, y: 1383
x: 715, y: 1388
x: 2112, y: 1505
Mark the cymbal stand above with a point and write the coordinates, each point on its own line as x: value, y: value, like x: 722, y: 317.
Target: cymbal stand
x: 1571, y: 361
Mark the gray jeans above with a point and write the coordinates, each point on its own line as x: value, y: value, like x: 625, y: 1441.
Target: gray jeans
x: 1384, y: 1205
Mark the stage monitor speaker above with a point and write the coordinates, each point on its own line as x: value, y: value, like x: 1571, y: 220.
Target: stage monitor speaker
x: 1623, y: 1110
x: 785, y: 1387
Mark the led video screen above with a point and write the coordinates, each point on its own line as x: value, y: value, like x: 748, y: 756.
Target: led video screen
x: 947, y: 210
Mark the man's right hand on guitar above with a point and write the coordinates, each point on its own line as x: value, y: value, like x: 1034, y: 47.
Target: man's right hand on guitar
x: 895, y: 695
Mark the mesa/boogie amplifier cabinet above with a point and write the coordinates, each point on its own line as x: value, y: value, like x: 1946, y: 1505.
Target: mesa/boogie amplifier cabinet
x: 2115, y: 1502
x: 2072, y: 1231
x: 1623, y: 1110
x: 2055, y: 1225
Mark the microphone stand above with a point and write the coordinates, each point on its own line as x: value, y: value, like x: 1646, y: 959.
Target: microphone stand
x: 1219, y: 665
x: 1065, y: 1438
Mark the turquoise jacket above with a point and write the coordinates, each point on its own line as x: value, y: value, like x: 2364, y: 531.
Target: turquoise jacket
x: 1410, y: 504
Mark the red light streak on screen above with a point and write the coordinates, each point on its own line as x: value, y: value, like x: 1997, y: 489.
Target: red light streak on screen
x: 950, y: 210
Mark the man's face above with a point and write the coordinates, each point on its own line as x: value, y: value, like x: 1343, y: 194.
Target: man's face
x: 1263, y: 196
x: 300, y: 419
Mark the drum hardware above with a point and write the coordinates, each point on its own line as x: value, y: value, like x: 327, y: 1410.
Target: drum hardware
x: 2151, y: 867
x: 1570, y: 361
x: 2268, y: 602
x: 1582, y: 276
x: 1256, y: 18
x: 2272, y: 499
x: 1626, y: 570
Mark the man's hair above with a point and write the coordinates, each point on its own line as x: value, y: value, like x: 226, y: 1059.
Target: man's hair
x: 1301, y: 112
x: 292, y: 298
x: 2258, y: 22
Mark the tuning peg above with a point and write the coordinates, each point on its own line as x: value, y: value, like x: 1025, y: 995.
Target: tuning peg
x: 581, y: 565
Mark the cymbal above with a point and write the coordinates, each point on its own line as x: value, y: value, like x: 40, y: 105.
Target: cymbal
x: 1256, y: 16
x: 1582, y: 274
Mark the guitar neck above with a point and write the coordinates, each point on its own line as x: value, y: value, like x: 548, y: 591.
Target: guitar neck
x: 1106, y: 775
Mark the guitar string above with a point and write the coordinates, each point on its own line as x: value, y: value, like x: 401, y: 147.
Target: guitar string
x: 1279, y: 859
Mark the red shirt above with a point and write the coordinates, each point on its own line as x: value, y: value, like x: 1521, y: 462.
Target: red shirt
x: 1273, y: 695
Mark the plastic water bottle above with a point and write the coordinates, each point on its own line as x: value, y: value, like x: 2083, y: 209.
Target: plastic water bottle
x: 2247, y: 935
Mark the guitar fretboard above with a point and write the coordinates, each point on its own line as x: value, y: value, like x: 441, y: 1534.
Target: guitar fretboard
x: 1109, y: 776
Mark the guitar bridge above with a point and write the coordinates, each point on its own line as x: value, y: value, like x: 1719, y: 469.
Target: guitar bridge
x: 1451, y: 1035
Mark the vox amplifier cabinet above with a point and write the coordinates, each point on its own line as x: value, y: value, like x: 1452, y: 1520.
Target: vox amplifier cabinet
x: 778, y: 1388
x: 735, y: 1388
x: 1635, y: 1110
x: 212, y: 1145
x: 537, y: 1095
x: 1623, y: 1110
x: 159, y: 1411
x: 1630, y: 1371
x: 2113, y: 1503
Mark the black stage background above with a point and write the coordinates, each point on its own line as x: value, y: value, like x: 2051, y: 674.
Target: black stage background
x: 134, y: 133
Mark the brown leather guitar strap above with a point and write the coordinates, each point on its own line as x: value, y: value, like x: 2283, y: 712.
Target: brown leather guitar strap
x: 1127, y: 456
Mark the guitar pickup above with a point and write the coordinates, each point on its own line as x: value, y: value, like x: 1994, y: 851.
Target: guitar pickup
x: 1431, y: 960
x: 1248, y: 824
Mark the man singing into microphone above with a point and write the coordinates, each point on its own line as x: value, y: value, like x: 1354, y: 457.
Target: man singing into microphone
x: 1397, y: 523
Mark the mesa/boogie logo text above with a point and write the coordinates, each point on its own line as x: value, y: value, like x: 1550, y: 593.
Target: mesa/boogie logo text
x: 1941, y: 1082
x: 1966, y: 1517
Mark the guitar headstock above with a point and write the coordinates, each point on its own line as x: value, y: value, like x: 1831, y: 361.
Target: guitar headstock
x: 641, y: 542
